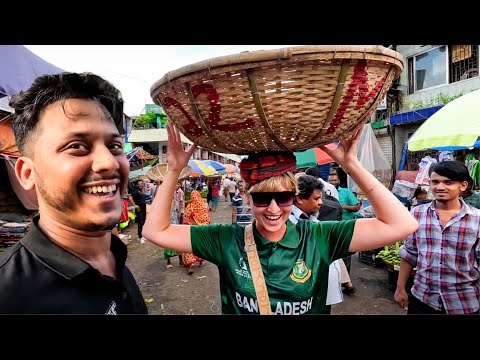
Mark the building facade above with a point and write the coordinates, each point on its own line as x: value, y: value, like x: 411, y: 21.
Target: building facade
x: 153, y: 137
x: 433, y: 75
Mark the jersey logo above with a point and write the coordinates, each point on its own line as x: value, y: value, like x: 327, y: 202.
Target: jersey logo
x: 243, y: 271
x: 300, y: 272
x: 112, y: 309
x: 242, y: 264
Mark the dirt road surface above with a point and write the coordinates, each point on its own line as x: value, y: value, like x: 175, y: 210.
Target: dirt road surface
x: 174, y: 292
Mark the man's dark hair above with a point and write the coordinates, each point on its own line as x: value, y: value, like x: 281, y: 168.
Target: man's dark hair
x: 454, y: 170
x: 48, y: 89
x: 307, y: 184
x: 313, y: 171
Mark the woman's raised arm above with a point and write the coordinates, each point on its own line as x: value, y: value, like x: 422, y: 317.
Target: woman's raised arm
x: 393, y: 221
x: 157, y: 227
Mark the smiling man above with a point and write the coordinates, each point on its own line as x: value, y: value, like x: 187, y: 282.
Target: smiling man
x: 445, y: 249
x: 66, y: 127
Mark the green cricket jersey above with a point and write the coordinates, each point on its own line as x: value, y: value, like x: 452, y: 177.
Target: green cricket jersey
x: 295, y: 268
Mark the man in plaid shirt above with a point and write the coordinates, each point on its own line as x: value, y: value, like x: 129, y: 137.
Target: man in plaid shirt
x: 445, y: 249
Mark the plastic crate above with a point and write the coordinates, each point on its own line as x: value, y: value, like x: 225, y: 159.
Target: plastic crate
x: 370, y: 257
x: 392, y: 279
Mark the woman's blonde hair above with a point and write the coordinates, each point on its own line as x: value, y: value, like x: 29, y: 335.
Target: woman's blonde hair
x: 273, y: 184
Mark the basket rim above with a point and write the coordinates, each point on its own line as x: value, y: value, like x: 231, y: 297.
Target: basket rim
x: 339, y: 52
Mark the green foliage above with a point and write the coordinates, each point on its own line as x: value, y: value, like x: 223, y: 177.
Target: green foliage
x: 439, y: 99
x: 163, y: 119
x: 149, y: 118
x: 389, y: 254
x: 145, y: 119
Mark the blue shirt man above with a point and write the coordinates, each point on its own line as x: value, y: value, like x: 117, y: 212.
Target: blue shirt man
x: 350, y: 203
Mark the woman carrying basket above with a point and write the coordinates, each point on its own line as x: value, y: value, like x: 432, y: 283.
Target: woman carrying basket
x: 294, y: 259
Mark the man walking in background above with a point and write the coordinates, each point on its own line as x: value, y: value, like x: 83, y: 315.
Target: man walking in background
x: 445, y: 249
x: 231, y: 187
x: 241, y: 211
x: 179, y: 196
x: 140, y: 208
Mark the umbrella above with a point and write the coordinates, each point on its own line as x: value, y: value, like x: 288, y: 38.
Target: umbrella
x: 231, y: 169
x: 215, y: 164
x: 456, y: 125
x: 313, y: 157
x: 200, y: 168
x: 134, y: 174
x: 159, y: 171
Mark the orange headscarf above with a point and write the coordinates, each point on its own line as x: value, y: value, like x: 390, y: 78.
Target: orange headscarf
x: 196, y: 212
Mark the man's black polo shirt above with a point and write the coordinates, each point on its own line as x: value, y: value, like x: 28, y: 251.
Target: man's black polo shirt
x: 138, y: 198
x: 39, y: 277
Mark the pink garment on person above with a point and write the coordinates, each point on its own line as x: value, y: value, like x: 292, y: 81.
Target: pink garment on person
x: 215, y: 190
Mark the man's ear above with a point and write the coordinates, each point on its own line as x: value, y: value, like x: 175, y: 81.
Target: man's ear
x: 463, y: 186
x: 25, y: 172
x: 298, y: 199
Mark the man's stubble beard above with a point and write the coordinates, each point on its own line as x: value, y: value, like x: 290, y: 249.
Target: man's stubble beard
x: 59, y: 202
x: 64, y: 204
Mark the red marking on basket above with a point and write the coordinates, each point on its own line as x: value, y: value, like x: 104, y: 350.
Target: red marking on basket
x: 358, y: 84
x: 214, y: 118
x: 191, y: 127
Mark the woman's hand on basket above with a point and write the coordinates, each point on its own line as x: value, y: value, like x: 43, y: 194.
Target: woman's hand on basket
x: 345, y: 154
x: 177, y: 157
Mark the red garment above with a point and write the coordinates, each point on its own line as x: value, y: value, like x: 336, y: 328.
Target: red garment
x: 215, y: 189
x: 196, y: 213
x: 260, y: 166
x: 124, y: 217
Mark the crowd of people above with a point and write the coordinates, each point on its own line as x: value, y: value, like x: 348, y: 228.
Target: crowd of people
x: 286, y: 251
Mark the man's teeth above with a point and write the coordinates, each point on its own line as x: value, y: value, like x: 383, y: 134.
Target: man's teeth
x: 101, y: 189
x: 273, y: 218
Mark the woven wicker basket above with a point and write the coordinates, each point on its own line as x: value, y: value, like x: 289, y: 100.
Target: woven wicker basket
x: 159, y: 171
x: 292, y: 98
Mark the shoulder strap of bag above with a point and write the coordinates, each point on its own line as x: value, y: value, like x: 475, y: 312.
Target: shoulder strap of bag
x: 257, y: 273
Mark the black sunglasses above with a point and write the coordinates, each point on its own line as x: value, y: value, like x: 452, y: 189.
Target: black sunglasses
x: 282, y: 198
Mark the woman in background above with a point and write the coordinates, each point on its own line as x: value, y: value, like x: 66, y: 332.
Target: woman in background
x: 196, y: 213
x: 214, y: 188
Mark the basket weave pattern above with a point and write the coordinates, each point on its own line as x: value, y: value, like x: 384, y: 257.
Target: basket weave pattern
x: 297, y: 99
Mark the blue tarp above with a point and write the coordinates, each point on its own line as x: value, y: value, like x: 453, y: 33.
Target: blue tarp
x: 19, y: 67
x: 415, y: 115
